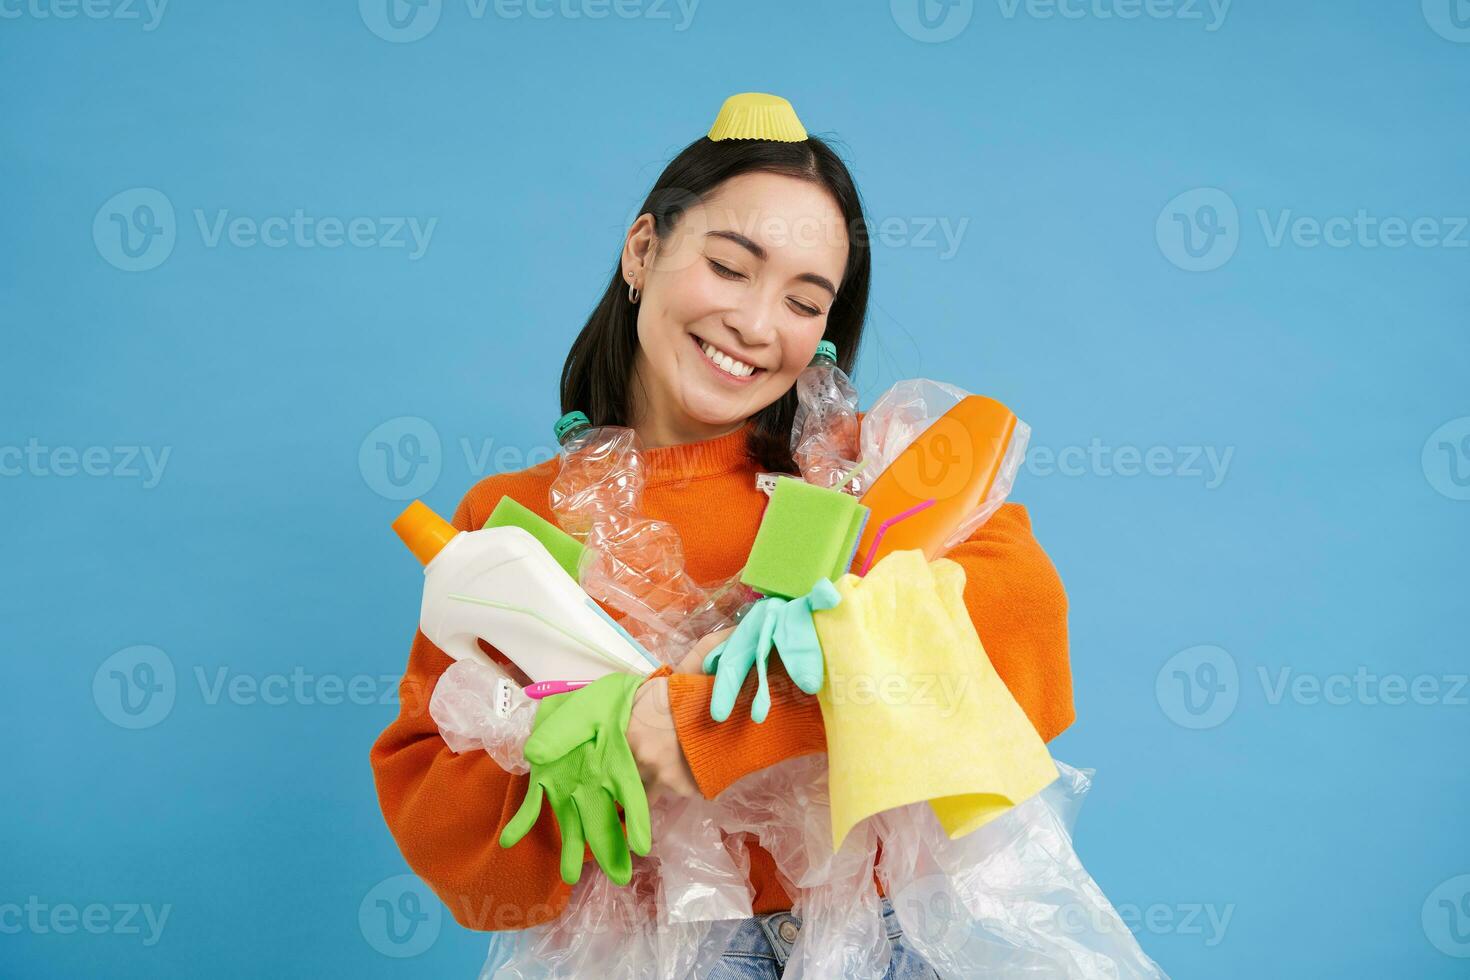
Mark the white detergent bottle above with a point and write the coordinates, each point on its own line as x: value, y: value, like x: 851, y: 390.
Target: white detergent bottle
x: 502, y: 586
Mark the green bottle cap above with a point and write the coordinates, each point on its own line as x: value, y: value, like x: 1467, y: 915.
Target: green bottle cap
x: 827, y: 349
x: 568, y: 424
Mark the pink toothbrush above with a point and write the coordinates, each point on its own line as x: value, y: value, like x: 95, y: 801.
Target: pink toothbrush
x: 543, y: 689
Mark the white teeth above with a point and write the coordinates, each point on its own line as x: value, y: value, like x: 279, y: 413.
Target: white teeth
x: 727, y: 363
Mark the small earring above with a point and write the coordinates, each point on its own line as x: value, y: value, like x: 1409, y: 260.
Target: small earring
x: 633, y: 292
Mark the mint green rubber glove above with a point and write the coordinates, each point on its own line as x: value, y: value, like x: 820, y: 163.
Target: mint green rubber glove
x: 731, y: 661
x: 581, y: 763
x: 787, y: 623
x: 796, y: 636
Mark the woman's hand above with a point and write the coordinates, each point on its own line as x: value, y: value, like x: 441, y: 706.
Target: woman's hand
x: 693, y: 662
x: 655, y: 743
x: 651, y: 732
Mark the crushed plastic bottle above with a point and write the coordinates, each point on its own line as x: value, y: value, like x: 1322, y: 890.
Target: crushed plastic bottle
x: 633, y: 563
x: 825, y: 430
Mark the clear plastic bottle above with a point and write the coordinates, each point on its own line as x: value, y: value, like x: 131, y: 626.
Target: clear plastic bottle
x: 633, y: 563
x: 825, y: 431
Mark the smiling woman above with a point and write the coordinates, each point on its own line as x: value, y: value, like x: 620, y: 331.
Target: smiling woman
x: 745, y: 254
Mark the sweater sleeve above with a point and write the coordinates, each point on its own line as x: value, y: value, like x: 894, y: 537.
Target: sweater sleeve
x: 446, y: 811
x: 719, y: 753
x: 1019, y: 608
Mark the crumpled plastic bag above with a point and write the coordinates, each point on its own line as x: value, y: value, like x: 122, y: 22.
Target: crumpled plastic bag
x: 477, y: 706
x: 1011, y: 899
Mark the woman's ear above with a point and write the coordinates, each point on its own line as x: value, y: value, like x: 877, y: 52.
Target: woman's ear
x: 638, y: 250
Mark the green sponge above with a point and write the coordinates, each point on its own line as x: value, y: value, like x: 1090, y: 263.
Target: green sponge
x: 808, y: 533
x: 566, y: 549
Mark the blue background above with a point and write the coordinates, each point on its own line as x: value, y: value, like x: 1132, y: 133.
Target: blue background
x: 1334, y: 541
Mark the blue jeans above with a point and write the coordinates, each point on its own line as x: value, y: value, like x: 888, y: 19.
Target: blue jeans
x: 761, y: 944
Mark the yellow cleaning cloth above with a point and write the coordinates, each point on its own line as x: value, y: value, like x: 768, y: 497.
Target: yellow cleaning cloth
x: 913, y: 708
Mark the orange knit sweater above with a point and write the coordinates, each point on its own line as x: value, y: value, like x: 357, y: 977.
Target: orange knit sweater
x: 446, y: 811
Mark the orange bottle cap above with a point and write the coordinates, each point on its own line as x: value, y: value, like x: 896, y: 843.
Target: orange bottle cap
x: 425, y: 532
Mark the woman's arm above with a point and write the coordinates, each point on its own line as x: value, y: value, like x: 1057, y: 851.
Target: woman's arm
x: 446, y: 811
x: 1019, y: 608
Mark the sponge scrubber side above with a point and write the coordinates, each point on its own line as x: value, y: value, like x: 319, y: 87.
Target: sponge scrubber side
x: 808, y: 533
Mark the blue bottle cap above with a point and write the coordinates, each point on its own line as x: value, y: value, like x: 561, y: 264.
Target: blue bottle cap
x: 569, y: 423
x: 827, y: 349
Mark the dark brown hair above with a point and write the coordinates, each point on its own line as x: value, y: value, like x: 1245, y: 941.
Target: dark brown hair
x: 599, y: 368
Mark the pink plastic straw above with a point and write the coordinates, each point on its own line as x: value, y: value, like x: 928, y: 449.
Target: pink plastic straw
x: 545, y: 689
x: 883, y: 529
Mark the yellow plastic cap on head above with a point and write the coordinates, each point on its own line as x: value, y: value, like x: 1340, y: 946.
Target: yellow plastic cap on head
x: 425, y: 532
x: 757, y: 116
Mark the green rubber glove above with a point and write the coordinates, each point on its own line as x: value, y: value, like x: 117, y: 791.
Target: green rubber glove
x: 581, y: 763
x: 787, y: 624
x: 731, y: 661
x: 796, y: 636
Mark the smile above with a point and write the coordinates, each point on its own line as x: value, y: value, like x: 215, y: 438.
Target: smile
x: 727, y: 366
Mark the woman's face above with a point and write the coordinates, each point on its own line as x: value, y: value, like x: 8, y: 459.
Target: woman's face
x: 733, y: 303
